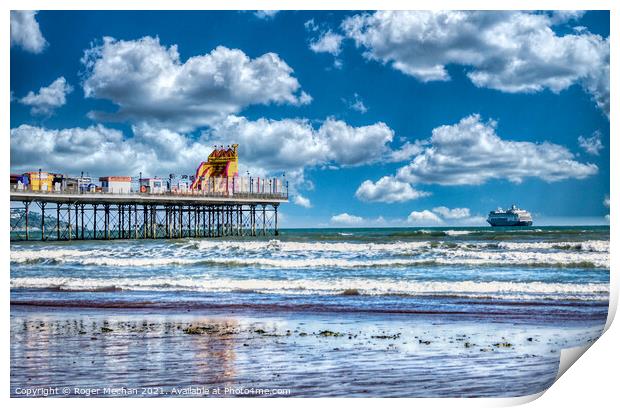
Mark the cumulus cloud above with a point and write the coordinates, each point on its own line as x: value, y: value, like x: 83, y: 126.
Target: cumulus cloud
x: 424, y: 217
x: 267, y: 147
x: 93, y: 149
x: 48, y: 98
x: 606, y: 201
x: 471, y: 153
x: 328, y: 42
x: 149, y: 83
x: 266, y: 14
x: 357, y: 104
x: 346, y: 219
x: 508, y: 51
x: 443, y: 215
x: 290, y: 144
x: 302, y: 201
x: 388, y: 190
x: 452, y: 213
x: 406, y: 151
x: 104, y: 151
x: 593, y: 144
x: 25, y: 32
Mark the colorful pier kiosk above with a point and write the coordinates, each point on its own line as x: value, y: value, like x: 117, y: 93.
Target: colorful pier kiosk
x: 217, y: 203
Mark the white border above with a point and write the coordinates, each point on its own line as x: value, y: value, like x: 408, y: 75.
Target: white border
x: 593, y: 380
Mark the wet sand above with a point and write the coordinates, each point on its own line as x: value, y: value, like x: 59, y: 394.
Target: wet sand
x: 197, y: 353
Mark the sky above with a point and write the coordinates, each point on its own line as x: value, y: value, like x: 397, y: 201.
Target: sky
x: 376, y: 118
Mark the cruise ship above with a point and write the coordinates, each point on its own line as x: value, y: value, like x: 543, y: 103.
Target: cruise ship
x: 514, y: 217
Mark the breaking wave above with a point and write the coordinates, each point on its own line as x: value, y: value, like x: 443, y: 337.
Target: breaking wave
x: 561, y: 261
x: 368, y: 287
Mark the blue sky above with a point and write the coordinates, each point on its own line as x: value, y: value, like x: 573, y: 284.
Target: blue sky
x: 377, y: 118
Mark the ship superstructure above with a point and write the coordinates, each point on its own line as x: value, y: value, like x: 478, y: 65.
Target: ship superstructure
x: 513, y: 217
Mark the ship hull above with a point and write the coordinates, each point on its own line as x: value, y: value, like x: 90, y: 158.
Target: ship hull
x: 506, y: 223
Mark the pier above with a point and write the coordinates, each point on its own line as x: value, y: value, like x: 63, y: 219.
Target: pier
x: 215, y: 202
x: 62, y: 216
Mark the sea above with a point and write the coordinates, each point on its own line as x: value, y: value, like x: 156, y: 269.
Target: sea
x: 437, y: 295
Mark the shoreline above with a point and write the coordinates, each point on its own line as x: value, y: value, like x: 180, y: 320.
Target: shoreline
x: 311, y: 354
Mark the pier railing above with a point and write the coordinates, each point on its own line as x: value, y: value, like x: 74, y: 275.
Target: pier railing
x: 283, y: 195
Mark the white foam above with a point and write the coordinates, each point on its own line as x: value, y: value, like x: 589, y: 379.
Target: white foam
x: 324, y: 254
x: 457, y: 233
x: 494, y: 289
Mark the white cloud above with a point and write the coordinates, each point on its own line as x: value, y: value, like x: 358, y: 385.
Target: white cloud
x: 302, y: 201
x: 104, y: 151
x: 357, y: 104
x: 407, y: 151
x: 593, y: 144
x: 424, y: 217
x: 48, y: 98
x: 266, y: 14
x: 25, y: 32
x: 266, y: 147
x: 149, y: 83
x: 451, y: 214
x: 310, y: 25
x: 507, y: 50
x: 388, y: 190
x: 292, y: 144
x: 471, y: 153
x: 346, y: 219
x: 606, y: 201
x: 441, y: 215
x: 564, y: 16
x: 328, y: 42
x: 95, y: 149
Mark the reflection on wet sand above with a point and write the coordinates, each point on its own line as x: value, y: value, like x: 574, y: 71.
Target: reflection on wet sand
x: 315, y: 355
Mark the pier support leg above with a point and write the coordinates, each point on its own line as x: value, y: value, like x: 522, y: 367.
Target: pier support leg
x: 42, y: 221
x: 275, y: 209
x: 82, y: 221
x: 180, y: 221
x: 145, y: 221
x: 153, y: 222
x: 58, y: 222
x: 264, y: 221
x: 253, y: 219
x: 167, y: 211
x: 95, y: 221
x: 69, y: 226
x: 27, y: 208
x: 106, y: 220
x: 119, y: 227
x: 220, y: 221
x: 209, y: 215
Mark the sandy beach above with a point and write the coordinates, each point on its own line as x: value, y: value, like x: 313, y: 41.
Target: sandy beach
x: 99, y: 352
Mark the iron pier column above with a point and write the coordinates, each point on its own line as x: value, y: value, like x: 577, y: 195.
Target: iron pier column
x: 27, y: 205
x: 58, y: 221
x: 69, y: 232
x: 264, y: 221
x: 82, y: 223
x: 275, y: 209
x: 95, y: 221
x: 42, y: 221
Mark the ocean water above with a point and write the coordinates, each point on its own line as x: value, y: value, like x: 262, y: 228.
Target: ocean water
x: 468, y: 270
x: 538, y: 289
